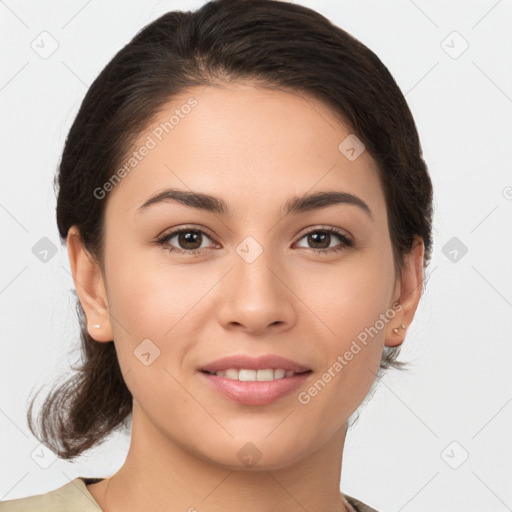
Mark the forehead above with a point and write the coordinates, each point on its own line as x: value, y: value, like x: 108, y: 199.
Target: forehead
x: 248, y: 145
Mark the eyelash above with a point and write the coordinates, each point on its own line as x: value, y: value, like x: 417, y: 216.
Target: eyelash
x: 346, y: 241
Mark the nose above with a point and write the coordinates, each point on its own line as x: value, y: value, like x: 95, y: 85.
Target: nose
x: 256, y: 296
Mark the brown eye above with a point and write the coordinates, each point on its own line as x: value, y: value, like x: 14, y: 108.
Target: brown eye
x: 320, y: 240
x: 188, y: 240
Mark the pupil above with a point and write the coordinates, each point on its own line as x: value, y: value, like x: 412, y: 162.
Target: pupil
x: 188, y: 238
x: 320, y: 235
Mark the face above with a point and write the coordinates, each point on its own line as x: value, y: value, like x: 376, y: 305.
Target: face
x: 253, y: 280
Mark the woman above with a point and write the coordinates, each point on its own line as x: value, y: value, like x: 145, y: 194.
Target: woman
x: 248, y: 219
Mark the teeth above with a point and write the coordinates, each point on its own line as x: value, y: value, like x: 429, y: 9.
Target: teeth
x: 280, y: 373
x: 254, y: 375
x: 231, y: 374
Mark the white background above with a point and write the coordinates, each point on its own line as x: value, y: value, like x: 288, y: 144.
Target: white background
x: 459, y: 387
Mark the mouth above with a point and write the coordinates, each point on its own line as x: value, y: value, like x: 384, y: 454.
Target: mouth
x: 250, y: 375
x: 250, y: 380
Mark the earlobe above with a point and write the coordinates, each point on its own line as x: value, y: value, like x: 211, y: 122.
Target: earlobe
x: 89, y: 283
x: 409, y: 289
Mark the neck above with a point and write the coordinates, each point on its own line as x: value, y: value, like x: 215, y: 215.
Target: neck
x: 161, y: 475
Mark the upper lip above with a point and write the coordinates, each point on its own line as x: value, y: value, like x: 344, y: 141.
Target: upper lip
x: 254, y: 363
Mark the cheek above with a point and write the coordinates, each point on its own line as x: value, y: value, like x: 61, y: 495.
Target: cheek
x: 351, y: 359
x: 151, y: 296
x: 149, y: 307
x: 159, y: 302
x: 353, y: 304
x: 351, y: 295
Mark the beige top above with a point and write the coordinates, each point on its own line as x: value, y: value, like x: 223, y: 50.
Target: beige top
x: 74, y: 497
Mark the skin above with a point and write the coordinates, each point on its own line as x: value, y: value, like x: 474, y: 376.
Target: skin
x: 254, y: 148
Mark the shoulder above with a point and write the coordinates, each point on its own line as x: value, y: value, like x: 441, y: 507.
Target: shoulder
x: 356, y: 504
x: 71, y: 497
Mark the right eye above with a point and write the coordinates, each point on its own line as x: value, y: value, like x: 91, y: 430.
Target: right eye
x: 187, y: 237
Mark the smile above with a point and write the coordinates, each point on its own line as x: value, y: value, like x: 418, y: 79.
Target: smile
x: 251, y: 391
x: 248, y: 375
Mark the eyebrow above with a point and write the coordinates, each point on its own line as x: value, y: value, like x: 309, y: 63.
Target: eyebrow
x: 294, y: 205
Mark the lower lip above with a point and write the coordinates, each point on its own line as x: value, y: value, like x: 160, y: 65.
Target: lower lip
x: 257, y: 392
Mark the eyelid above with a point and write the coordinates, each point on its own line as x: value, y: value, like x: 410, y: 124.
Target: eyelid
x: 323, y: 227
x: 346, y: 238
x: 192, y: 227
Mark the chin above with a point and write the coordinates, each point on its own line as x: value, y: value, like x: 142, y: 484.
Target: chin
x: 258, y: 455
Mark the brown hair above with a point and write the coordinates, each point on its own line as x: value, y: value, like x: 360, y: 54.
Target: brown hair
x: 277, y: 44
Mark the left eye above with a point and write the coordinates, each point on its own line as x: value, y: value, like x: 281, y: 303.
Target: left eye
x: 319, y: 236
x: 190, y: 240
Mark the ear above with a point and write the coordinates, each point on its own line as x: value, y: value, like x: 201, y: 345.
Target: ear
x: 407, y: 293
x: 90, y: 286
